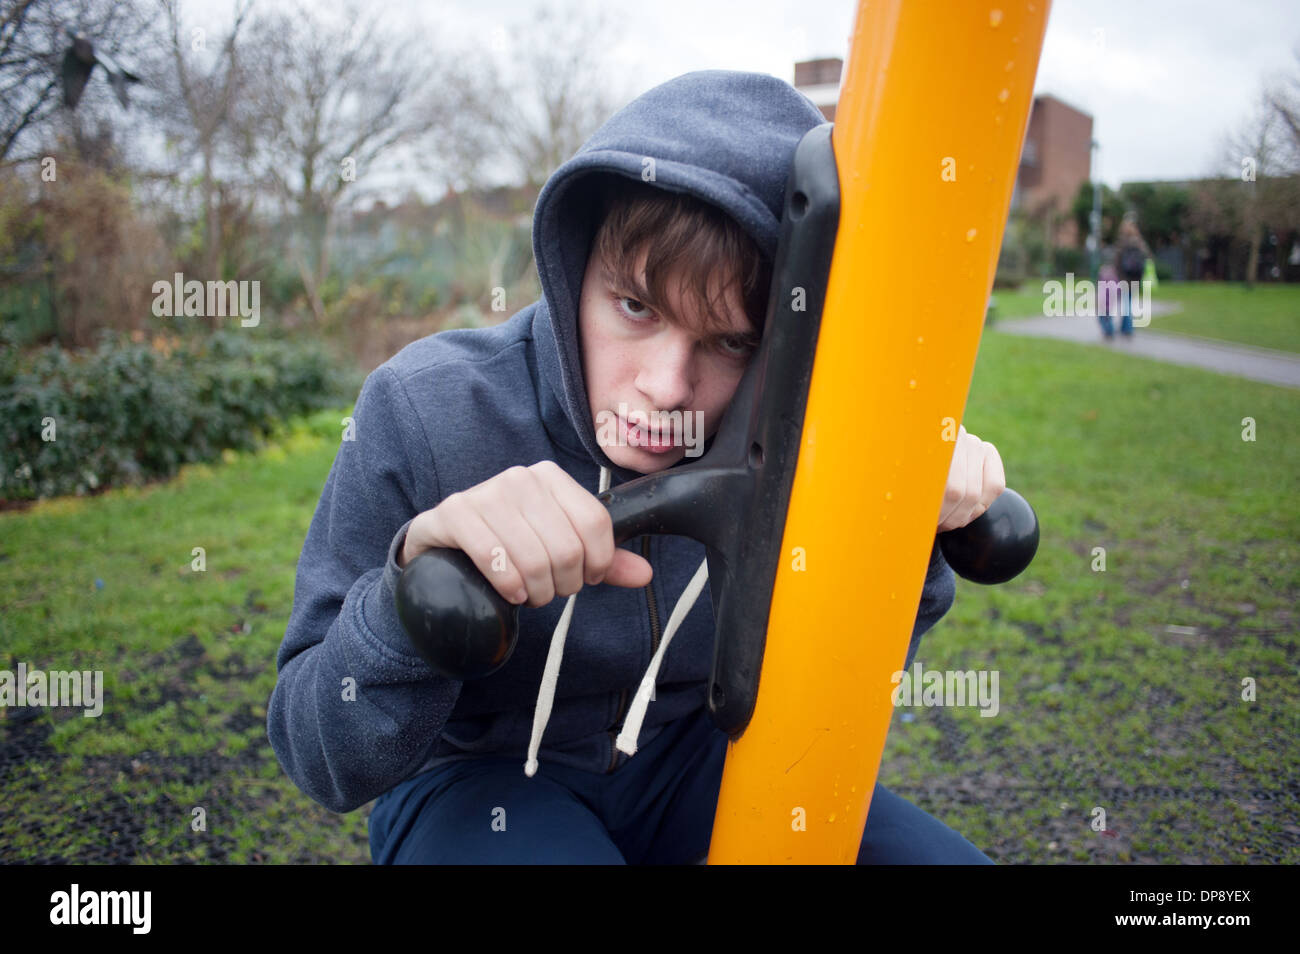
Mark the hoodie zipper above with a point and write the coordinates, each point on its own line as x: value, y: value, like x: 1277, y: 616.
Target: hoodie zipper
x: 650, y: 595
x: 654, y: 647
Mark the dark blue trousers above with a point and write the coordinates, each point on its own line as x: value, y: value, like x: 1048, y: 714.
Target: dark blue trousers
x: 656, y: 808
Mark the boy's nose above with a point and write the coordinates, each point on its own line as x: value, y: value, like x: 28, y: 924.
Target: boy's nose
x: 666, y: 378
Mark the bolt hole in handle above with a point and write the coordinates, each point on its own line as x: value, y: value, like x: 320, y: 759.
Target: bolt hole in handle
x: 462, y: 627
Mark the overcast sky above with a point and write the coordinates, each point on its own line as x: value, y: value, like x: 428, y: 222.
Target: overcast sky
x: 1172, y: 78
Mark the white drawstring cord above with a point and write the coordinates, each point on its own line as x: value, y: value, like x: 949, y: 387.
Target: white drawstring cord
x: 551, y: 672
x: 646, y: 691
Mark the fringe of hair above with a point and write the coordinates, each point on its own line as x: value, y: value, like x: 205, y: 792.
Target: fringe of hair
x: 678, y: 231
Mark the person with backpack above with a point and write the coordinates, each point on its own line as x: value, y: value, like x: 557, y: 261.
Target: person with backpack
x: 1131, y: 254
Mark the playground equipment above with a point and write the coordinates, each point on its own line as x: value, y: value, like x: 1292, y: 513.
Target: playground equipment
x: 834, y: 452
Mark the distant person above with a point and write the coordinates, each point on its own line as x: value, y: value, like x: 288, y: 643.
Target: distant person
x: 1107, y: 299
x: 1131, y: 254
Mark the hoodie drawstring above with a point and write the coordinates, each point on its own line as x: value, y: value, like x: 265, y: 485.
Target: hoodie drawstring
x: 645, y: 692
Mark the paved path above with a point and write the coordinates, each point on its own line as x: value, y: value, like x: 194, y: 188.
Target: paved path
x: 1258, y: 364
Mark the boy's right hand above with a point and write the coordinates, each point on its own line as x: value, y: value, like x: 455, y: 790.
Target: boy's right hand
x: 532, y: 529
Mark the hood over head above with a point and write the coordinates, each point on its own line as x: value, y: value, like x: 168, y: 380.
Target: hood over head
x: 727, y: 138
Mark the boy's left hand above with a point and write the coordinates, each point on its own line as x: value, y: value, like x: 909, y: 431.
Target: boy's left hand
x: 974, y: 481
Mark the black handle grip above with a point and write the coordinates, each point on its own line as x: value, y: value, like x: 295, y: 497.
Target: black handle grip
x: 997, y: 545
x: 457, y: 622
x: 462, y: 627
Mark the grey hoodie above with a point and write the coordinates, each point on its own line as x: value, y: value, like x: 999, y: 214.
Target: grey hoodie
x: 354, y: 711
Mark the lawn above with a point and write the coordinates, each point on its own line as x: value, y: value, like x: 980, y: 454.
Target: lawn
x: 1266, y: 316
x: 188, y: 657
x: 1120, y: 689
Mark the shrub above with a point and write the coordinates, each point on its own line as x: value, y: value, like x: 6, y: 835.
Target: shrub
x: 1070, y: 260
x: 80, y: 243
x: 133, y: 410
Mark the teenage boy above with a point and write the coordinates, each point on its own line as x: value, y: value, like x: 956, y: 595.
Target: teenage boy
x: 654, y: 246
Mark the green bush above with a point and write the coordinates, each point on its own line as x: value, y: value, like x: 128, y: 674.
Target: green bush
x: 130, y: 411
x: 1070, y: 260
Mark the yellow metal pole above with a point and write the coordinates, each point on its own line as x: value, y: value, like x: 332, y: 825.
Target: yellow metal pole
x: 932, y: 115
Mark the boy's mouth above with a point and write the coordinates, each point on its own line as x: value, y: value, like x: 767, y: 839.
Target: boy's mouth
x: 645, y: 439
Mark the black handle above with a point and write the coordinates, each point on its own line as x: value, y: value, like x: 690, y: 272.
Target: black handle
x: 997, y: 545
x: 457, y: 622
x: 465, y: 629
x: 462, y: 627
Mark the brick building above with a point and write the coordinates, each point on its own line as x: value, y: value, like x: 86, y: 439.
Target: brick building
x: 1055, y: 161
x: 819, y: 80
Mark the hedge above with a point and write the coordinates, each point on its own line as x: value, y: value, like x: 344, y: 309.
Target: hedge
x: 129, y: 411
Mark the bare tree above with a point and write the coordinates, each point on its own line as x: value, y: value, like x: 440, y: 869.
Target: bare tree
x: 516, y: 105
x: 195, y: 106
x: 546, y: 89
x: 32, y: 43
x: 1263, y: 193
x: 1254, y: 187
x: 327, y: 99
x: 1283, y: 97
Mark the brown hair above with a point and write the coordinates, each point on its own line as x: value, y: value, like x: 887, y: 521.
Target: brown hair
x: 676, y: 230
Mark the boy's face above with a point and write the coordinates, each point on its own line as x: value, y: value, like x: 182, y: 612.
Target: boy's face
x: 640, y: 366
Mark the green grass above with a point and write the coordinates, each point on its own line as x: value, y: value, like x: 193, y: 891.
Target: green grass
x: 188, y: 659
x: 1266, y: 316
x: 1023, y: 302
x: 1102, y: 706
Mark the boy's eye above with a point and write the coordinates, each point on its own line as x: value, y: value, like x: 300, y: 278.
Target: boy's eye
x: 638, y: 310
x: 736, y: 347
x: 731, y: 346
